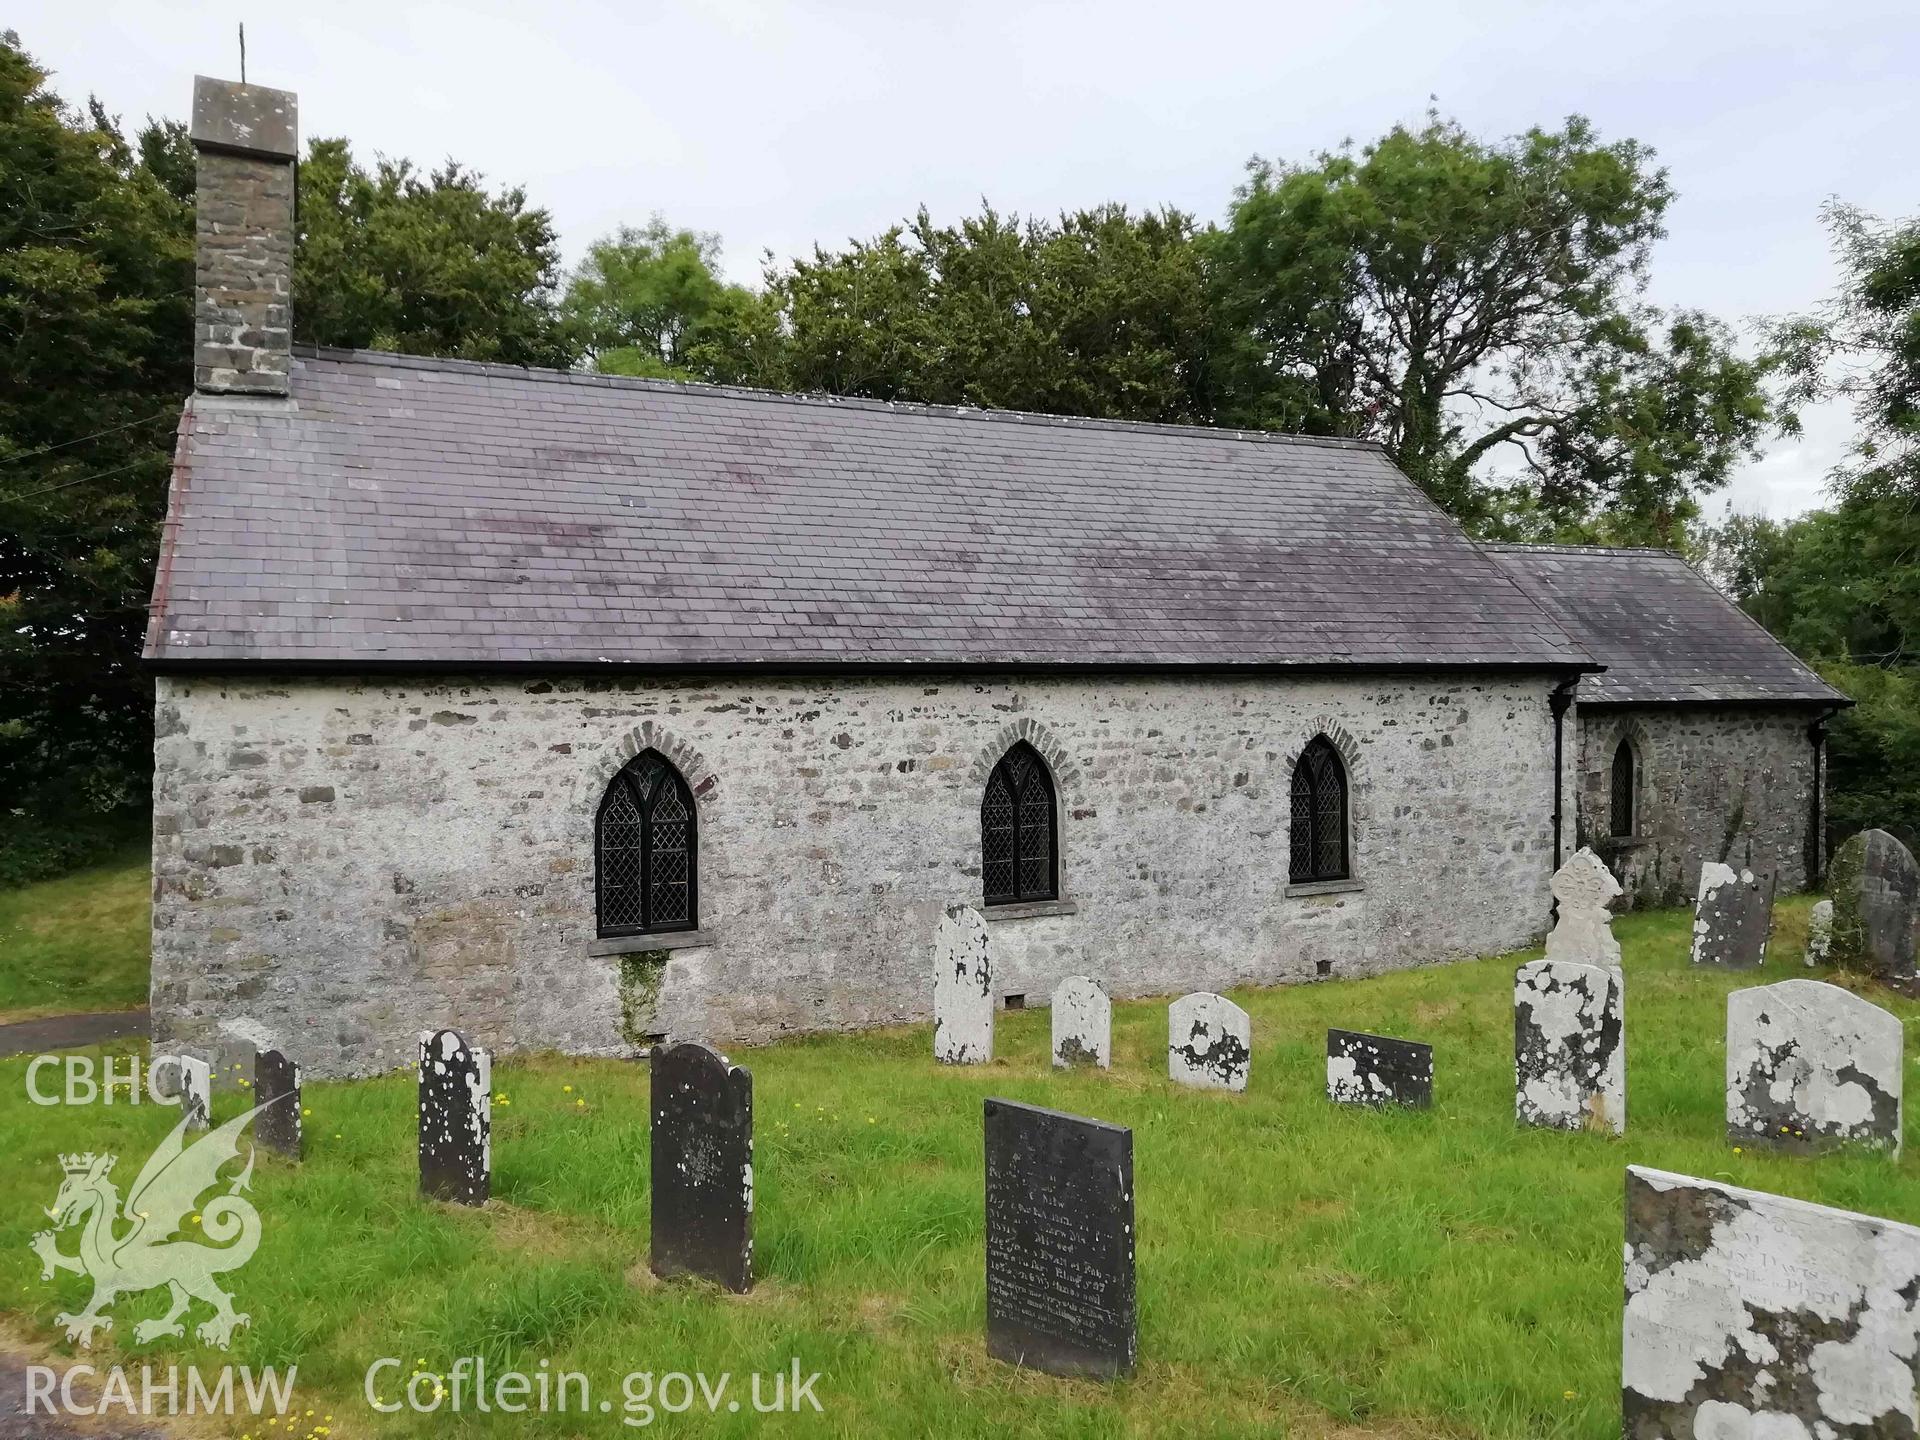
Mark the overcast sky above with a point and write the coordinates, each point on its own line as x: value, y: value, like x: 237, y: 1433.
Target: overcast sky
x: 779, y: 124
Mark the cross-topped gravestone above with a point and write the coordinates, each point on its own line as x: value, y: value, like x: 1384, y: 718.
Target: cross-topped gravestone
x: 276, y: 1085
x: 1582, y: 932
x: 702, y: 1166
x: 1875, y: 886
x: 1753, y: 1317
x: 1811, y: 1066
x: 962, y: 989
x: 1732, y: 916
x: 1569, y: 1047
x: 456, y: 1119
x: 1375, y: 1070
x: 1060, y: 1241
x: 1209, y: 1042
x: 1082, y: 1023
x: 1819, y: 932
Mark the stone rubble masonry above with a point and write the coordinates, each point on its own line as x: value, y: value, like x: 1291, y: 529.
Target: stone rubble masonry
x: 339, y: 864
x: 1732, y: 784
x: 245, y: 140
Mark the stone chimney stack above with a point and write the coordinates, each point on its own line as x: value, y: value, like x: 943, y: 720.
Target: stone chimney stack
x: 245, y: 140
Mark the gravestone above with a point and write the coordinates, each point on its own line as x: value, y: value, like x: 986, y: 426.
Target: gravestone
x: 276, y: 1086
x: 1374, y: 1070
x: 702, y: 1166
x: 1582, y: 932
x: 1082, y: 1023
x: 193, y: 1083
x: 1819, y: 932
x: 456, y: 1119
x: 1876, y: 905
x: 1754, y: 1317
x: 1060, y: 1241
x: 1810, y: 1067
x: 1209, y: 1042
x: 1732, y: 917
x: 1569, y: 1047
x: 962, y: 989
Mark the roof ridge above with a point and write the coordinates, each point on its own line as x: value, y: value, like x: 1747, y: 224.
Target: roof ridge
x: 823, y: 400
x: 1549, y: 548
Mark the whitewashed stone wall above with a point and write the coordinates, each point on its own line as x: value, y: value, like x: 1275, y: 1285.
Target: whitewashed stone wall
x: 1729, y: 784
x: 339, y: 865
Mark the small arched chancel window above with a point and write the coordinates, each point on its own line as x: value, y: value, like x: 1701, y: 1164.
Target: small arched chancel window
x: 1621, y: 810
x: 1318, y: 833
x: 1019, y: 854
x: 645, y: 859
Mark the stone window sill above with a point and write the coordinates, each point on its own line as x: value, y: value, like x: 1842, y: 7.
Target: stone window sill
x: 1326, y: 887
x: 1031, y: 909
x: 665, y: 940
x: 1626, y: 842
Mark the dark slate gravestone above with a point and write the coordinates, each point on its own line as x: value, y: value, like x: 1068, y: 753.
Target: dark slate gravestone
x: 1373, y: 1070
x: 456, y: 1119
x: 276, y: 1088
x: 1059, y: 1241
x: 1875, y: 886
x: 1732, y: 917
x: 702, y: 1166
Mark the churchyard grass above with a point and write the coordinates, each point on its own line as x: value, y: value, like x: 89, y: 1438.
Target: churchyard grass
x: 76, y: 943
x: 1304, y: 1269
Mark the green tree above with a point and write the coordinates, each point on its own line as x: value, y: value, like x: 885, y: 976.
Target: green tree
x: 95, y: 279
x: 649, y: 301
x: 423, y: 263
x: 1842, y: 586
x: 1100, y: 312
x: 1475, y: 306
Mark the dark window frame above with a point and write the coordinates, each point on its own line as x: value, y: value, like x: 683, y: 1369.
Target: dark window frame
x: 1011, y: 775
x: 1623, y: 791
x: 644, y: 798
x: 1319, y: 800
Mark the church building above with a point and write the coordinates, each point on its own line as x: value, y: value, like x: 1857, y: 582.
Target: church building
x: 577, y: 711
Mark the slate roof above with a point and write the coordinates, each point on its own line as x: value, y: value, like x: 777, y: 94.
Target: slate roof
x: 408, y: 511
x: 1665, y: 634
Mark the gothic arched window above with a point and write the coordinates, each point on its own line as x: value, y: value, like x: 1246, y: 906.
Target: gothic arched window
x: 1318, y: 833
x: 1019, y: 857
x: 1621, y: 816
x: 644, y: 853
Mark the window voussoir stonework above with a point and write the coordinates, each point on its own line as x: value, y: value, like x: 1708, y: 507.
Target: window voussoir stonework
x: 1062, y: 769
x: 691, y: 764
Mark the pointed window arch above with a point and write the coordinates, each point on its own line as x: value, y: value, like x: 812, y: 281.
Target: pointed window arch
x: 1317, y: 835
x: 1019, y: 852
x: 645, y: 857
x: 1620, y: 810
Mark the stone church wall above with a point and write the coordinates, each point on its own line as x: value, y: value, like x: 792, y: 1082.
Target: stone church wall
x: 339, y: 865
x: 1733, y: 784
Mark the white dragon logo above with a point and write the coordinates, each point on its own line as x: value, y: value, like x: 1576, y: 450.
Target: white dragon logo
x: 145, y: 1256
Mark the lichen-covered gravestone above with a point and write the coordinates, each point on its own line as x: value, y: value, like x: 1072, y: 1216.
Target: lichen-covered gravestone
x: 1082, y: 1023
x: 456, y: 1119
x: 1582, y: 932
x: 1819, y: 932
x: 1569, y: 1047
x: 195, y: 1081
x: 1209, y: 1042
x: 702, y: 1166
x: 1060, y: 1241
x: 1876, y: 905
x: 1376, y: 1070
x: 276, y: 1087
x: 1732, y: 916
x: 962, y: 989
x: 1811, y: 1066
x: 1754, y: 1317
